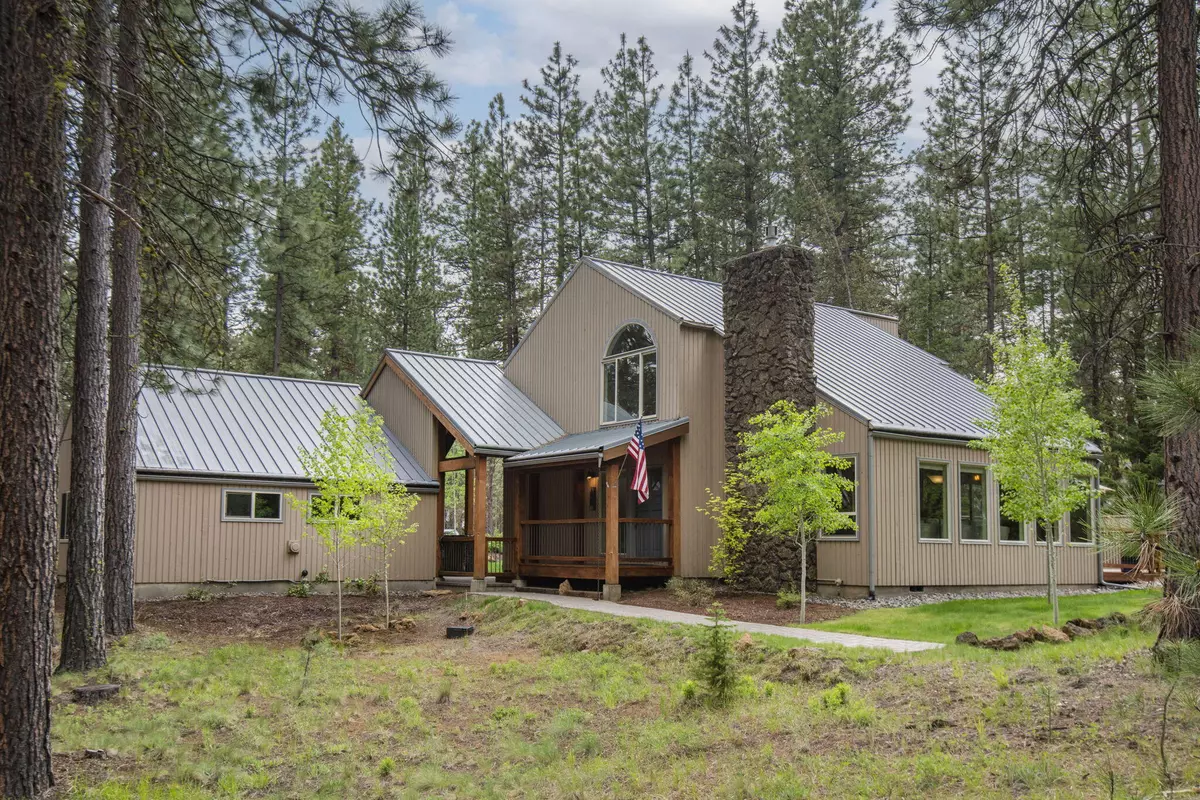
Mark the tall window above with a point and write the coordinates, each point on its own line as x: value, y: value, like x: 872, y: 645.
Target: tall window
x: 1011, y: 531
x: 630, y: 375
x: 972, y: 501
x: 849, y: 499
x: 931, y: 499
x: 1081, y: 525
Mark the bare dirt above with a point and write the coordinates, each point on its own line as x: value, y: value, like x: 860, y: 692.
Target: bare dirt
x: 739, y: 606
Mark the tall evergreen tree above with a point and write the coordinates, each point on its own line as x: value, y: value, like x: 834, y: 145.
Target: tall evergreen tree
x: 740, y: 132
x: 632, y: 153
x: 338, y: 253
x: 555, y: 127
x: 689, y: 246
x: 843, y: 94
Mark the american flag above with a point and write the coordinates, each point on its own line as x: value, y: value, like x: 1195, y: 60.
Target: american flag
x: 637, y: 451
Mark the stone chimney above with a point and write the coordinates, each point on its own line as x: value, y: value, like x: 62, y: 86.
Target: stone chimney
x: 769, y: 319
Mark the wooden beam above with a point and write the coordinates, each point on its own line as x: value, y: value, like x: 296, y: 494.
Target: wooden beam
x: 612, y: 525
x: 441, y: 521
x: 616, y: 451
x: 455, y: 464
x: 519, y: 513
x: 479, y: 523
x: 673, y: 499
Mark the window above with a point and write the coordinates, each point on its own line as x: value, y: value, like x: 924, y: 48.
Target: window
x: 1081, y: 525
x: 255, y: 506
x: 1011, y: 531
x: 320, y: 509
x: 931, y: 500
x: 1039, y: 532
x: 849, y: 499
x: 630, y: 374
x: 972, y: 502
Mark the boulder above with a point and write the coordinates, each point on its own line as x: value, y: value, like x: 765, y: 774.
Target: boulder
x: 1090, y: 624
x: 746, y: 642
x: 967, y: 637
x: 366, y: 627
x: 1001, y: 643
x: 95, y: 693
x: 564, y: 588
x: 404, y: 624
x: 1075, y: 631
x: 1052, y: 635
x: 1024, y: 637
x: 1115, y: 618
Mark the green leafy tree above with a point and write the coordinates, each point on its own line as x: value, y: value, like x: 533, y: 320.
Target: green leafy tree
x: 1039, y: 433
x: 785, y: 483
x: 385, y: 518
x: 358, y: 500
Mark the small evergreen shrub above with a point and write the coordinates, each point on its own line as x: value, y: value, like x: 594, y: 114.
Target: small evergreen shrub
x: 788, y: 598
x: 299, y: 589
x: 715, y: 665
x: 692, y: 591
x: 387, y: 765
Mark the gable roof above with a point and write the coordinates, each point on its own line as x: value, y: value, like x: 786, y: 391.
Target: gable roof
x: 592, y: 444
x: 888, y: 383
x: 478, y: 401
x: 210, y: 422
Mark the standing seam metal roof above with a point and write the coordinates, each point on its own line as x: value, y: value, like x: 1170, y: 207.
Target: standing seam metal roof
x: 248, y: 426
x: 891, y: 384
x: 593, y: 442
x: 494, y: 416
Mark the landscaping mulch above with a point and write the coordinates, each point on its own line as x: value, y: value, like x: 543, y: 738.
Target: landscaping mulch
x: 738, y: 606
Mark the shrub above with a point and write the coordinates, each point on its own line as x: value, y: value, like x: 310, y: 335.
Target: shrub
x: 689, y: 690
x: 833, y: 697
x: 715, y: 666
x: 387, y: 765
x: 299, y: 589
x: 198, y: 594
x: 788, y: 598
x: 692, y: 591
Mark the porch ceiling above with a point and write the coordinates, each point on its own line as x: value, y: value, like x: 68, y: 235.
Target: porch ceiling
x: 593, y: 445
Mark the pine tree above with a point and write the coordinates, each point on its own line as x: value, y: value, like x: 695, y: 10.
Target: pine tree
x: 688, y: 244
x: 741, y: 130
x: 555, y: 127
x: 632, y: 153
x: 408, y: 291
x: 339, y: 255
x: 843, y: 94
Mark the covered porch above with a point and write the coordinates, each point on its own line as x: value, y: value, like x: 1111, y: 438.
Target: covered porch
x: 575, y: 514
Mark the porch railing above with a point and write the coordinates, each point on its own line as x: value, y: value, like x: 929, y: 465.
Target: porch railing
x: 582, y: 540
x: 458, y: 555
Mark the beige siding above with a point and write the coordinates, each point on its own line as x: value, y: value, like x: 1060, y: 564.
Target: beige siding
x: 182, y: 539
x: 558, y: 366
x: 701, y: 368
x: 905, y: 561
x: 406, y: 416
x: 846, y: 559
x: 888, y: 324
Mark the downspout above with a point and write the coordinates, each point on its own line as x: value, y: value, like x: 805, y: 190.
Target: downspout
x: 871, y: 513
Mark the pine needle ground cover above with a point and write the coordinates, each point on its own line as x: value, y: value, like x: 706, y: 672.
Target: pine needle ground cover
x: 549, y: 702
x: 941, y: 622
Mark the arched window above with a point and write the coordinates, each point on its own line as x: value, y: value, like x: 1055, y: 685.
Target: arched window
x: 630, y: 373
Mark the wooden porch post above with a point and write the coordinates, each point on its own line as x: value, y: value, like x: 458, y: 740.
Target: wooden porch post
x: 479, y: 524
x: 518, y: 523
x: 673, y: 485
x: 441, y: 521
x: 612, y: 531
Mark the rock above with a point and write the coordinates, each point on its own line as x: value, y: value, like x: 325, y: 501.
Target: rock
x: 436, y: 592
x: 101, y: 753
x: 1090, y: 624
x: 351, y: 640
x: 565, y: 588
x: 746, y: 642
x: 938, y: 722
x: 366, y: 627
x: 404, y: 624
x: 1075, y: 631
x: 1024, y: 637
x: 1001, y: 643
x: 1047, y: 634
x: 967, y: 637
x: 1115, y: 618
x: 96, y: 693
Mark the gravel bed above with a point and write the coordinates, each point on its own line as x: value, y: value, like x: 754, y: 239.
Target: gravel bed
x: 924, y: 598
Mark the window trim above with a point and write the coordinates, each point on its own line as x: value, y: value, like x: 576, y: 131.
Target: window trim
x: 253, y: 495
x: 1058, y: 540
x: 856, y: 535
x: 986, y: 471
x: 1093, y: 513
x: 606, y: 359
x: 945, y: 464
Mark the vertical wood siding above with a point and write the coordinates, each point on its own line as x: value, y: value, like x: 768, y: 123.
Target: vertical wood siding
x: 558, y: 366
x: 904, y: 561
x: 847, y: 560
x: 181, y: 539
x: 701, y: 370
x: 406, y: 416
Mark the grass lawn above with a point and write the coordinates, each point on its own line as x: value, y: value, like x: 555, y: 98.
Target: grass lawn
x: 941, y: 622
x: 548, y: 702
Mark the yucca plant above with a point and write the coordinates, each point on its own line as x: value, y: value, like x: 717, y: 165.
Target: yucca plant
x: 1138, y: 519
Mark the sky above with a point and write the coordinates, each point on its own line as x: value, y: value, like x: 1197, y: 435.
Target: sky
x: 497, y: 43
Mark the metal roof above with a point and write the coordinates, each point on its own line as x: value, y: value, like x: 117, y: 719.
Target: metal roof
x: 591, y: 443
x: 201, y: 421
x: 891, y: 384
x: 486, y: 408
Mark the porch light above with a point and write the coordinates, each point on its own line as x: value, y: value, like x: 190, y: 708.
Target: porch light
x: 935, y: 478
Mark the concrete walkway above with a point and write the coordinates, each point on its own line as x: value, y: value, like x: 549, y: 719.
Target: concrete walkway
x: 662, y: 615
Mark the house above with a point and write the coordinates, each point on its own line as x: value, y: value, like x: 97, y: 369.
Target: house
x: 550, y: 425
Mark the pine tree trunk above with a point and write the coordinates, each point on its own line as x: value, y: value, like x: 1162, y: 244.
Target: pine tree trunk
x: 83, y: 622
x: 1180, y: 144
x: 34, y: 39
x: 124, y: 354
